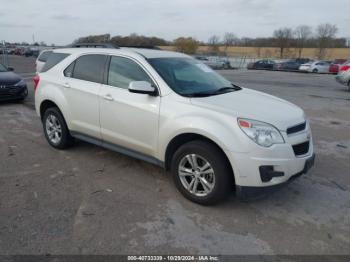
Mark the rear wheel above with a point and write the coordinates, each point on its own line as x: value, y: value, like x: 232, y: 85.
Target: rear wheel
x: 315, y: 71
x: 202, y: 173
x: 55, y: 129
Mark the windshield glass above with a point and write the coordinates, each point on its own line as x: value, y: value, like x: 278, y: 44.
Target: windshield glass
x: 3, y: 68
x: 189, y: 77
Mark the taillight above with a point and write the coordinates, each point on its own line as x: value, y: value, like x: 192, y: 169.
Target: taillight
x: 345, y: 68
x: 36, y: 80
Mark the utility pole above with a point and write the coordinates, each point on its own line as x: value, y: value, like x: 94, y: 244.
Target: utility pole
x: 4, y: 53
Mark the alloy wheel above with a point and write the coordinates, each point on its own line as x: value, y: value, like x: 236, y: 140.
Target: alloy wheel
x: 196, y: 175
x: 53, y: 129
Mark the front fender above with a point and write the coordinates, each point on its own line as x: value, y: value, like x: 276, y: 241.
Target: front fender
x: 221, y: 130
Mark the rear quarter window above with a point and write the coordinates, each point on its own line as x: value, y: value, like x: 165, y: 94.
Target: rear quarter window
x: 44, y: 56
x: 53, y: 60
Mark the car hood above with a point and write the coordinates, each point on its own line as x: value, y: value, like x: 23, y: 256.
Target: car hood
x: 255, y: 105
x: 9, y: 78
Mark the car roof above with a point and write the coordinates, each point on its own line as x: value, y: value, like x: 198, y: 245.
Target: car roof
x: 147, y: 53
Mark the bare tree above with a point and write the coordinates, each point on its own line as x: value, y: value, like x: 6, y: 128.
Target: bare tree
x: 230, y: 39
x: 325, y: 34
x: 302, y: 34
x: 213, y: 43
x: 283, y: 37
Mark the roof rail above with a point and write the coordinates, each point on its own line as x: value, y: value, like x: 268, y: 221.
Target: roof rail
x: 94, y: 45
x: 142, y: 46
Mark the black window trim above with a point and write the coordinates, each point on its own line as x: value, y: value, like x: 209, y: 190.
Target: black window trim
x: 105, y: 80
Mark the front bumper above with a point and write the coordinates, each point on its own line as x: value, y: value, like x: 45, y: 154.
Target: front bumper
x: 14, y: 93
x: 247, y: 192
x: 262, y: 169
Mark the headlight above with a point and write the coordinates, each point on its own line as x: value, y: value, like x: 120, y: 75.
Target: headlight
x: 21, y: 83
x: 261, y: 133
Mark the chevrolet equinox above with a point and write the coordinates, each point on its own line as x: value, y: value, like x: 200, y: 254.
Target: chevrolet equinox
x: 172, y: 110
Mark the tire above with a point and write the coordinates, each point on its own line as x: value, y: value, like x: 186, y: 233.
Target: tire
x: 59, y: 137
x: 218, y: 177
x: 315, y: 71
x: 349, y: 85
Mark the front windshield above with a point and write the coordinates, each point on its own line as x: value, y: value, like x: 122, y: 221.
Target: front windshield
x: 189, y: 77
x: 3, y: 68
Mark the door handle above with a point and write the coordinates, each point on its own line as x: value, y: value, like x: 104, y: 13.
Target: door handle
x: 66, y: 85
x: 108, y: 97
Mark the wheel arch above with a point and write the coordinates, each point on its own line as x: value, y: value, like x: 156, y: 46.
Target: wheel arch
x: 183, y: 138
x: 45, y: 104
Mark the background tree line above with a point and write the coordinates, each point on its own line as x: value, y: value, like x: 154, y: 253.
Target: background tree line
x: 303, y: 36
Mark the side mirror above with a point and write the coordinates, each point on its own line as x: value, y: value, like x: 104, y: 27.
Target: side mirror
x: 10, y: 69
x: 142, y: 87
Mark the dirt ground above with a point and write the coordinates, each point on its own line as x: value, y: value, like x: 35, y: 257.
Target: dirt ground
x: 88, y: 200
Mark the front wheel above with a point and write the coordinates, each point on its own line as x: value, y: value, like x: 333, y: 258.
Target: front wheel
x: 201, y: 172
x: 315, y: 71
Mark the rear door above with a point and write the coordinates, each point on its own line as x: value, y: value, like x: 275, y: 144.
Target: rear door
x: 127, y: 119
x: 82, y: 83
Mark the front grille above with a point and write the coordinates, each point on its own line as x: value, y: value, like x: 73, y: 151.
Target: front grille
x: 296, y: 129
x: 301, y: 149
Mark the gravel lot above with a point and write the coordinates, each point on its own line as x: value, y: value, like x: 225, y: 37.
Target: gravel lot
x: 89, y: 200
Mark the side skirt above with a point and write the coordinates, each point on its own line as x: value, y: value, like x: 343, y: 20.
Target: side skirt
x: 118, y: 149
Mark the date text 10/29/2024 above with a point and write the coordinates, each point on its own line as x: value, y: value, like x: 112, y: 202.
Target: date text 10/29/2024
x: 174, y: 258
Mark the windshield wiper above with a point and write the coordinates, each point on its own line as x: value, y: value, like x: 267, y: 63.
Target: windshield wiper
x: 219, y: 91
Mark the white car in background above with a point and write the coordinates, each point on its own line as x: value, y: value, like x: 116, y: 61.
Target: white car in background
x: 174, y: 111
x: 41, y: 60
x: 320, y: 67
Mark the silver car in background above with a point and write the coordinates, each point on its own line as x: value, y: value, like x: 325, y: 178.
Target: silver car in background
x: 320, y: 67
x: 215, y: 62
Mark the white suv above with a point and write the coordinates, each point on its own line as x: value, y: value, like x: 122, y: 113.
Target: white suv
x: 171, y: 110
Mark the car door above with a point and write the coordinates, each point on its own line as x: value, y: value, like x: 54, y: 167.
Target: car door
x: 82, y: 82
x: 128, y: 119
x: 259, y: 65
x: 324, y: 67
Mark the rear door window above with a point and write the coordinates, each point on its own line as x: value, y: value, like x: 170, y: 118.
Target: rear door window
x: 53, y: 60
x: 88, y: 68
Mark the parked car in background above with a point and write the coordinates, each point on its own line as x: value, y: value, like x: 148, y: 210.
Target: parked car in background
x: 291, y: 65
x: 344, y: 66
x: 262, y: 64
x: 215, y: 62
x: 12, y: 86
x: 335, y: 65
x: 321, y: 67
x: 28, y: 52
x: 41, y: 60
x: 344, y: 78
x: 19, y: 51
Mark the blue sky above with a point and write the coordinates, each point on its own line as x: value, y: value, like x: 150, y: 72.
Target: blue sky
x: 63, y: 21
